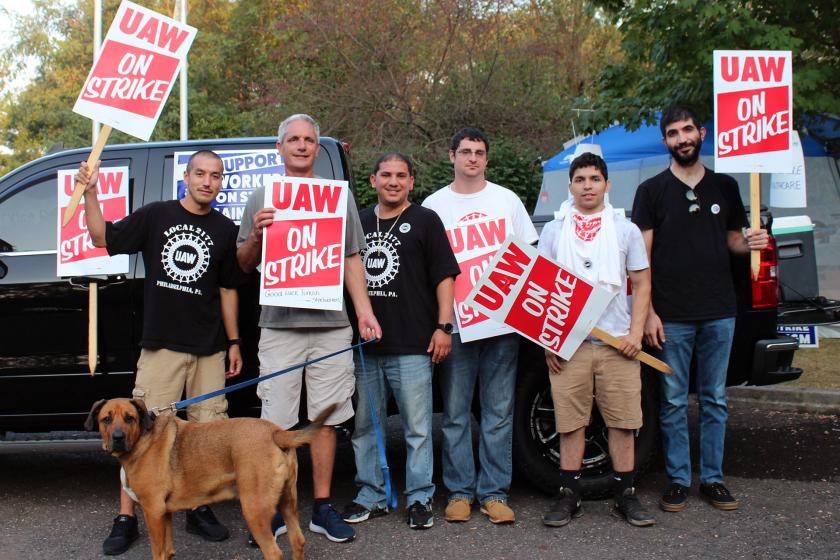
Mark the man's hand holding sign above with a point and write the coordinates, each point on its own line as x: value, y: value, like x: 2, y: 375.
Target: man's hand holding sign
x: 126, y: 89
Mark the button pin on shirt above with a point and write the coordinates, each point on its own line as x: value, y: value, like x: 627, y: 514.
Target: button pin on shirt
x: 587, y: 263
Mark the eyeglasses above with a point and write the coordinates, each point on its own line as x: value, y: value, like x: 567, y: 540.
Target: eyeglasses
x: 694, y: 207
x: 466, y: 152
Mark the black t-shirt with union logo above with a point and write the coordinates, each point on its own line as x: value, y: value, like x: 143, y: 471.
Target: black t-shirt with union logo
x: 403, y: 269
x: 690, y: 258
x: 187, y: 258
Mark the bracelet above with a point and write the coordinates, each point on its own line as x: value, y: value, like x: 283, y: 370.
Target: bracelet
x: 235, y: 341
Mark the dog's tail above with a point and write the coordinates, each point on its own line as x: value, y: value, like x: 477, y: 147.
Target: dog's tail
x: 288, y: 440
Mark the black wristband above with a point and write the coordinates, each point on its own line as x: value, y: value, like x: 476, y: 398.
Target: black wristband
x: 237, y: 341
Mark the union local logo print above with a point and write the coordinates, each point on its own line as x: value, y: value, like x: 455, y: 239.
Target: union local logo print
x: 753, y: 111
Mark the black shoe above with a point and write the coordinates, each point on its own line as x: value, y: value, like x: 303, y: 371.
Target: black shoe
x: 356, y: 513
x: 278, y: 527
x: 719, y: 496
x: 420, y: 516
x: 562, y: 511
x: 202, y: 522
x: 123, y: 533
x: 628, y: 507
x: 674, y: 499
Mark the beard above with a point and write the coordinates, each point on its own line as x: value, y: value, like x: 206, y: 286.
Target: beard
x: 686, y: 160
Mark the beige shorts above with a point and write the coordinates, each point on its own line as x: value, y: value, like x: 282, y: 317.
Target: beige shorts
x: 163, y: 376
x: 327, y: 382
x: 602, y: 371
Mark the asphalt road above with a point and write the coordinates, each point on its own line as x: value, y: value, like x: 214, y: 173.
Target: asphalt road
x: 784, y: 467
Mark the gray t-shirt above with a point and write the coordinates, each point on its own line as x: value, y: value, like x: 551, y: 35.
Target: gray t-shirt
x: 275, y: 317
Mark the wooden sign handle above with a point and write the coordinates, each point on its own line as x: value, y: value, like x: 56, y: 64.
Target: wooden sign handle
x: 644, y: 357
x: 755, y: 220
x: 93, y: 305
x: 80, y: 188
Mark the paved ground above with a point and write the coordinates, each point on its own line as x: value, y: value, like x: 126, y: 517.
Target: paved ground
x: 785, y: 468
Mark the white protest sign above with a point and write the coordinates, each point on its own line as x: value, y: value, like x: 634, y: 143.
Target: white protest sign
x: 538, y: 298
x: 474, y: 240
x: 76, y: 255
x: 753, y: 93
x: 135, y: 71
x: 245, y: 171
x: 787, y: 190
x: 303, y: 250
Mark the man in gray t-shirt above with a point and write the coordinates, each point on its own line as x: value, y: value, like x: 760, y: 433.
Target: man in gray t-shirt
x: 291, y: 335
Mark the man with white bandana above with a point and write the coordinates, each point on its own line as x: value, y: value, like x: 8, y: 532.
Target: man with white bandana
x: 594, y: 242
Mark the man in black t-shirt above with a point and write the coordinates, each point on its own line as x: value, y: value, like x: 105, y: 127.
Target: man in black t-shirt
x: 190, y: 305
x: 410, y: 270
x: 692, y: 219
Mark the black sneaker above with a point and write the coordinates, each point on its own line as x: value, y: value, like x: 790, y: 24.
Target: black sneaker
x: 278, y: 527
x: 123, y: 533
x: 675, y: 498
x: 202, y: 522
x: 562, y: 511
x: 719, y: 496
x: 628, y: 507
x: 420, y: 516
x: 356, y: 513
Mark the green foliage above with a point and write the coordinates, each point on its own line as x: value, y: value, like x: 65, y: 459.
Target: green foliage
x: 667, y: 53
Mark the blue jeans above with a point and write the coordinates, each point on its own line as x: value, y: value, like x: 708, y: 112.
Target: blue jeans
x: 711, y: 341
x: 493, y: 363
x: 409, y: 377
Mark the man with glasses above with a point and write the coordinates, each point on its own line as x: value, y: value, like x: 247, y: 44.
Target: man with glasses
x: 470, y: 198
x: 692, y: 219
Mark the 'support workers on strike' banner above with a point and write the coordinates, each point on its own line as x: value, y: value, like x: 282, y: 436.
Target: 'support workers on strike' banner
x: 136, y: 69
x: 76, y: 255
x: 474, y: 240
x: 538, y: 298
x: 303, y: 250
x: 245, y: 171
x: 753, y: 111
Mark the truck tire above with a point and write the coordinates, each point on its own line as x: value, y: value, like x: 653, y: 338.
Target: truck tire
x: 536, y: 444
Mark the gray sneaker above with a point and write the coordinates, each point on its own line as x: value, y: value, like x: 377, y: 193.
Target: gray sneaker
x: 628, y: 507
x: 356, y: 513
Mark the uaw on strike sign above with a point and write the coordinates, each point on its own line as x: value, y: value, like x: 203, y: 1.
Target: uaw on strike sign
x: 538, y: 298
x: 303, y: 250
x: 474, y: 240
x: 136, y: 69
x: 753, y: 111
x: 76, y: 255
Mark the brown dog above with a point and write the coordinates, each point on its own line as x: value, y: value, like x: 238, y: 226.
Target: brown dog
x: 173, y: 465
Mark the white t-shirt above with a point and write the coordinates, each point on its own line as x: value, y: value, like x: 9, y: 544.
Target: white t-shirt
x: 633, y: 255
x: 493, y: 201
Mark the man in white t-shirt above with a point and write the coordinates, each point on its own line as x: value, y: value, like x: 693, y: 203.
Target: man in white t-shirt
x: 593, y: 242
x: 485, y: 214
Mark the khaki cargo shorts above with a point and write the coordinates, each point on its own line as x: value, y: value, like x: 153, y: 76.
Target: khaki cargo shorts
x: 330, y: 381
x: 602, y: 371
x: 163, y: 376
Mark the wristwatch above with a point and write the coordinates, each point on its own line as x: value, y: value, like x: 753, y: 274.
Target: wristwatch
x: 236, y: 341
x: 445, y: 327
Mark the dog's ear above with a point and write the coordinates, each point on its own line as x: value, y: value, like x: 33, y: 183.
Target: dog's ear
x: 92, y: 422
x: 146, y: 419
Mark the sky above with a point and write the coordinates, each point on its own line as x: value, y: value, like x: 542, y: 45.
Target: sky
x: 18, y: 7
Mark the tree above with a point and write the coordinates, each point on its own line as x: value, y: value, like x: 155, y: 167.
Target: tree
x: 667, y: 47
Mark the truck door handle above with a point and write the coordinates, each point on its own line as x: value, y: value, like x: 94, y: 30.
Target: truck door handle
x: 85, y: 281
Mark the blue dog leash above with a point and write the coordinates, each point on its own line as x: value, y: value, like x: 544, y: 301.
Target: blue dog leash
x: 391, y: 496
x: 181, y: 405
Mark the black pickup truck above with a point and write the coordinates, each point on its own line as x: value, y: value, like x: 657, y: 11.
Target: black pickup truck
x: 45, y: 387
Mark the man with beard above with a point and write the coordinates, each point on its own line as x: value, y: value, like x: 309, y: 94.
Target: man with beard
x: 692, y: 219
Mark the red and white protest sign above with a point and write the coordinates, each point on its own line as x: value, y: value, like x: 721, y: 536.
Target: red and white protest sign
x: 474, y: 240
x: 538, y: 298
x: 303, y: 250
x: 753, y: 111
x: 76, y: 255
x: 135, y: 71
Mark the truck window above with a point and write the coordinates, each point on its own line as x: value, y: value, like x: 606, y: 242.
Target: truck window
x: 28, y: 217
